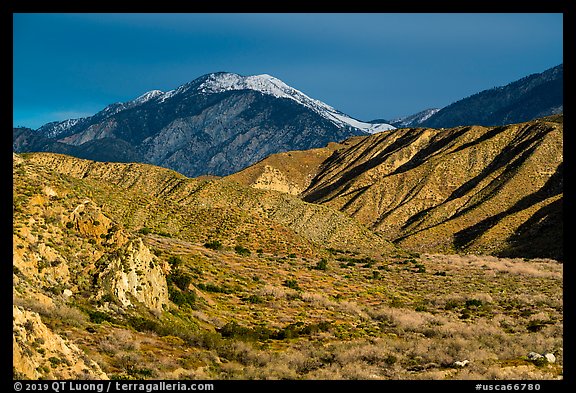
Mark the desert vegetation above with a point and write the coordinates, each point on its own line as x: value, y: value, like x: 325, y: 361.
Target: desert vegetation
x: 242, y: 305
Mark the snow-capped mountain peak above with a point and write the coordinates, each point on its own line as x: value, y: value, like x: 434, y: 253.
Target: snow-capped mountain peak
x: 264, y: 83
x: 268, y: 84
x: 147, y: 97
x: 226, y: 81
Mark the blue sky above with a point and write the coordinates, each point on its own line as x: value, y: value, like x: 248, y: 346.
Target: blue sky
x: 366, y: 65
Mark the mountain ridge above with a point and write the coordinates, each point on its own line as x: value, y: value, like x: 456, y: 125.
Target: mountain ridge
x: 415, y: 119
x: 406, y: 185
x: 533, y: 96
x: 220, y: 123
x: 216, y: 124
x: 220, y: 82
x: 216, y: 201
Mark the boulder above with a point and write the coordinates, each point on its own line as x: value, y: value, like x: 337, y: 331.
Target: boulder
x: 534, y: 356
x: 550, y: 358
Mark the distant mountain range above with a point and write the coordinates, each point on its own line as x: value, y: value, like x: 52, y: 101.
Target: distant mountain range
x: 217, y: 124
x: 223, y: 122
x: 531, y: 97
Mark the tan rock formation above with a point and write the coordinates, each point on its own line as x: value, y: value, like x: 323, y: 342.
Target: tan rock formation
x: 39, y: 352
x: 134, y: 275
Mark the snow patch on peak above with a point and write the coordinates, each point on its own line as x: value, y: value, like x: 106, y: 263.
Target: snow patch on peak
x: 147, y: 97
x: 264, y: 83
x: 267, y: 84
x: 415, y: 119
x: 428, y: 113
x: 55, y: 128
x: 266, y: 76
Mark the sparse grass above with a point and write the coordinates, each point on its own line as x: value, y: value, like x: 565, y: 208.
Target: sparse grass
x: 336, y: 314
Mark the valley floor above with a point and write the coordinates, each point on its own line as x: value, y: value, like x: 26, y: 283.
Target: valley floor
x: 263, y: 316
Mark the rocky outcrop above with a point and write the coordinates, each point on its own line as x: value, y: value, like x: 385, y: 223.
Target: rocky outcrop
x: 541, y: 358
x: 87, y: 218
x: 290, y: 172
x: 40, y: 353
x: 133, y: 275
x: 273, y: 179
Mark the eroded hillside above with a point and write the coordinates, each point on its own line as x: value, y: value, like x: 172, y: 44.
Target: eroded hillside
x: 140, y: 196
x: 491, y: 190
x: 133, y: 271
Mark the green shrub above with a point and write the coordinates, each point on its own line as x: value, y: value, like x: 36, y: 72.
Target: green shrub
x: 108, y: 298
x: 98, y: 316
x: 180, y: 279
x: 233, y: 329
x: 540, y: 362
x: 214, y: 245
x: 291, y: 283
x: 242, y: 251
x: 213, y: 288
x: 142, y: 324
x: 254, y: 299
x: 174, y: 261
x: 473, y: 303
x: 451, y: 305
x: 69, y: 225
x: 535, y: 325
x: 322, y: 264
x: 297, y: 329
x: 145, y: 231
x: 54, y: 361
x: 181, y: 297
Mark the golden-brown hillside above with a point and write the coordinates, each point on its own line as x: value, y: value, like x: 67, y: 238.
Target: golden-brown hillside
x: 491, y: 190
x: 130, y: 271
x: 140, y: 195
